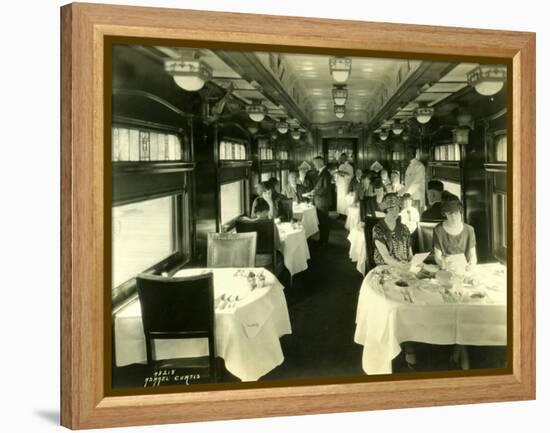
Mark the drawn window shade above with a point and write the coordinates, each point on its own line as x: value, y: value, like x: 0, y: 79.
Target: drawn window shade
x: 132, y: 144
x: 143, y: 235
x: 232, y: 151
x: 447, y: 152
x: 501, y: 148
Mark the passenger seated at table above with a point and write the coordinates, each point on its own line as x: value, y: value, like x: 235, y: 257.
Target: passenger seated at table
x: 392, y: 239
x: 435, y: 193
x: 374, y: 204
x: 264, y: 188
x: 356, y: 187
x: 275, y: 186
x: 368, y: 189
x: 384, y: 177
x: 395, y: 185
x: 451, y: 237
x: 290, y: 190
x: 262, y: 211
x: 409, y: 215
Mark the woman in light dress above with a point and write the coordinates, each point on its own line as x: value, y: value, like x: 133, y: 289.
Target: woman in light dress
x: 343, y: 178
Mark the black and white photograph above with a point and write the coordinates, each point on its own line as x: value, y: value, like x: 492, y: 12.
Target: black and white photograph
x: 285, y: 216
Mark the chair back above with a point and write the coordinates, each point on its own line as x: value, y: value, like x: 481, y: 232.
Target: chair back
x: 231, y: 250
x: 177, y: 308
x: 285, y: 209
x: 265, y: 231
x: 426, y: 235
x: 370, y: 222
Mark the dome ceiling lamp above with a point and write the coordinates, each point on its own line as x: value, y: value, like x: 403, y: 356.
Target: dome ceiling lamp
x: 282, y: 126
x: 256, y: 111
x: 423, y: 113
x: 295, y: 134
x: 253, y: 128
x: 340, y: 111
x: 487, y: 79
x: 189, y: 74
x: 383, y: 135
x: 340, y: 68
x: 339, y: 94
x: 397, y: 127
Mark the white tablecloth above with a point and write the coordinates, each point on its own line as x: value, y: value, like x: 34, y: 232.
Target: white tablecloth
x: 307, y: 215
x: 385, y: 320
x: 293, y: 247
x: 353, y: 219
x: 247, y: 332
x: 358, y: 248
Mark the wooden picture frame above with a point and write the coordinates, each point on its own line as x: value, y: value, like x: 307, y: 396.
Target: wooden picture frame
x: 83, y: 316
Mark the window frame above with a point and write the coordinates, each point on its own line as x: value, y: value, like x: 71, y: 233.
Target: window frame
x: 229, y: 225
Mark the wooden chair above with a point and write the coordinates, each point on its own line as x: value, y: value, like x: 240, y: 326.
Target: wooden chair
x: 179, y: 308
x: 266, y: 249
x: 285, y: 209
x: 231, y: 250
x: 425, y: 233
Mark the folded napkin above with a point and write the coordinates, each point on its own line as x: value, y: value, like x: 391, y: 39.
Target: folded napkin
x: 253, y: 315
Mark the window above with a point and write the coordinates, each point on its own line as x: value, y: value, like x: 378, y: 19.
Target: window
x: 232, y: 151
x: 452, y: 187
x: 143, y: 235
x: 266, y: 176
x: 131, y: 144
x: 447, y: 152
x: 232, y: 200
x: 283, y: 155
x: 395, y: 156
x: 501, y: 148
x: 266, y: 154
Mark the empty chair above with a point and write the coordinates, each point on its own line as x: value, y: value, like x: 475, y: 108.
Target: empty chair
x: 231, y: 250
x: 266, y: 247
x: 179, y: 308
x: 285, y: 209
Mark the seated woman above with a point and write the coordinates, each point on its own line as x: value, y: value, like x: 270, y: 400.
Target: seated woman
x: 275, y: 187
x: 291, y: 188
x: 395, y: 185
x: 452, y: 237
x: 392, y: 246
x: 392, y: 239
x: 409, y: 215
x: 373, y: 204
x: 262, y: 212
x: 266, y: 194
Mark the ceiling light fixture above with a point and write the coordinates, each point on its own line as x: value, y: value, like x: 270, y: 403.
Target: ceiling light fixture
x: 189, y: 74
x: 339, y: 94
x: 296, y: 134
x: 423, y: 113
x: 253, y: 128
x: 397, y: 127
x: 383, y: 135
x: 282, y: 126
x: 340, y: 68
x: 487, y: 79
x: 340, y: 111
x: 256, y: 111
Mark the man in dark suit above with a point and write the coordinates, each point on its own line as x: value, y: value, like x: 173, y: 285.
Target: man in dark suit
x: 322, y: 198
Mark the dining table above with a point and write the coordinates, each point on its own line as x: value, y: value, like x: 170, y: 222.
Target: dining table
x: 293, y: 246
x: 306, y: 214
x: 251, y: 316
x: 353, y: 219
x: 397, y: 306
x: 358, y: 248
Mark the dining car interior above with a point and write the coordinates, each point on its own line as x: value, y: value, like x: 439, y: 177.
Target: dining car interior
x: 286, y: 216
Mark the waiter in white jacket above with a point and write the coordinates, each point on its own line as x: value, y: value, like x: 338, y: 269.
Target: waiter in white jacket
x: 415, y: 180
